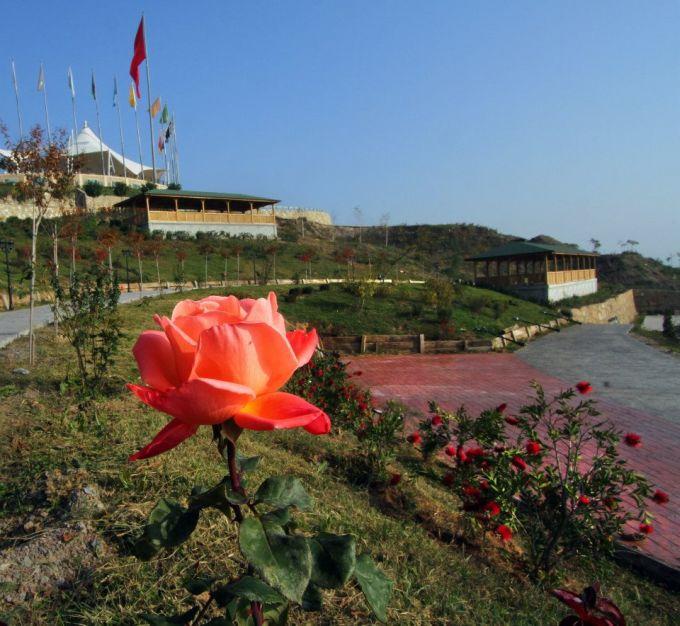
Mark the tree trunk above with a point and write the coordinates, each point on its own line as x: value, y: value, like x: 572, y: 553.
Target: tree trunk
x: 31, y: 296
x: 238, y: 268
x: 225, y: 270
x: 55, y: 259
x: 110, y: 264
x: 158, y: 276
x: 141, y: 275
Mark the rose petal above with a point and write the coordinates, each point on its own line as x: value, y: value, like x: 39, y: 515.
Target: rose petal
x: 251, y: 354
x: 193, y: 325
x: 156, y: 360
x: 183, y: 346
x: 198, y: 401
x: 174, y: 433
x: 282, y: 410
x: 303, y: 344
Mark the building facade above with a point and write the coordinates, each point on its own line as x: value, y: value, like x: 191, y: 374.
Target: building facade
x: 172, y: 211
x: 544, y: 272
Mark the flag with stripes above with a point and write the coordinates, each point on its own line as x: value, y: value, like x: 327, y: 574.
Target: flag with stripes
x: 70, y: 83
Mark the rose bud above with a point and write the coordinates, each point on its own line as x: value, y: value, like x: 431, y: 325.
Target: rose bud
x: 450, y: 450
x: 519, y: 463
x: 414, y: 438
x: 512, y: 420
x: 646, y: 529
x: 437, y: 420
x: 584, y: 387
x: 633, y: 440
x: 504, y: 532
x: 533, y: 447
x: 660, y: 497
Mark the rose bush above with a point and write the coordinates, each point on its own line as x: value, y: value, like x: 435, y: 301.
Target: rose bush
x: 219, y: 359
x: 221, y: 362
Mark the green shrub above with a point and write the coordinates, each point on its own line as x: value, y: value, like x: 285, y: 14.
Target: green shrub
x: 148, y: 187
x: 324, y: 287
x: 87, y: 312
x: 121, y: 189
x: 669, y: 329
x: 384, y: 290
x: 93, y: 188
x: 307, y: 289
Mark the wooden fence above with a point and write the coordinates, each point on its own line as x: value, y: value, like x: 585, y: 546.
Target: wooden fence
x: 404, y: 344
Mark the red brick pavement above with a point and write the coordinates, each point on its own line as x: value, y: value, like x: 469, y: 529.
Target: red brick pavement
x: 481, y: 381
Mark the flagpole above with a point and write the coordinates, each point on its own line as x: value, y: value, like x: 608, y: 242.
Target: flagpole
x: 16, y: 94
x: 174, y: 146
x: 99, y: 126
x: 73, y: 107
x: 148, y: 93
x: 120, y: 126
x: 47, y: 113
x: 139, y: 144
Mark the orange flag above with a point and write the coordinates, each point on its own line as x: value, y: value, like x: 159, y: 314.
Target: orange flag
x: 155, y: 107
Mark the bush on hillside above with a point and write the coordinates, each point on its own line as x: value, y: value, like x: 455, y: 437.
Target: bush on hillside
x: 93, y: 188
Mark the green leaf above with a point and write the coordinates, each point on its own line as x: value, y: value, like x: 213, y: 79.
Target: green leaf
x: 280, y: 517
x: 377, y: 588
x: 247, y: 463
x: 333, y: 559
x: 253, y: 588
x: 312, y: 598
x: 284, y: 562
x: 196, y: 585
x: 282, y: 491
x: 169, y: 620
x: 170, y: 524
x: 218, y: 497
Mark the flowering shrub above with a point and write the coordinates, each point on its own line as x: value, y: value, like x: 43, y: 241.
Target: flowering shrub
x: 590, y: 609
x: 324, y: 382
x: 220, y: 362
x: 534, y: 481
x: 379, y: 435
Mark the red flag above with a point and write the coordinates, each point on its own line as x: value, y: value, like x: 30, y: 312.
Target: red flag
x: 161, y: 142
x: 138, y: 56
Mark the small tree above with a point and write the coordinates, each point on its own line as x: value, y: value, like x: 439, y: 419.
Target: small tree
x: 595, y: 243
x: 109, y: 238
x: 181, y: 256
x: 359, y: 219
x: 224, y: 253
x: 385, y: 223
x: 45, y: 173
x: 137, y: 243
x: 237, y: 251
x: 88, y: 312
x: 206, y: 249
x: 155, y: 246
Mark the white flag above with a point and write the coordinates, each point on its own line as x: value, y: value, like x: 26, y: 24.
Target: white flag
x: 14, y: 79
x: 70, y: 83
x: 41, y: 78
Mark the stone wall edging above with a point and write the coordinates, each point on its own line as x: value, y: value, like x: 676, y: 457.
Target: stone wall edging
x: 620, y: 309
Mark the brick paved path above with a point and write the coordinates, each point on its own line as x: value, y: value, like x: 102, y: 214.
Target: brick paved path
x: 485, y: 380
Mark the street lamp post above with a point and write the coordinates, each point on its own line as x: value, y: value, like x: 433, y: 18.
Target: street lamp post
x: 7, y: 245
x: 126, y: 254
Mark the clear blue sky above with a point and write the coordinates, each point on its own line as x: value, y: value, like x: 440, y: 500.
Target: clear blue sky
x: 530, y: 117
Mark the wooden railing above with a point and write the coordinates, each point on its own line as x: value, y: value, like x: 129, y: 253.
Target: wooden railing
x: 199, y: 217
x: 569, y: 276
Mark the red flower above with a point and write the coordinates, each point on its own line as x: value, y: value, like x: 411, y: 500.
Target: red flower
x: 475, y: 453
x: 519, y: 463
x: 504, y: 532
x: 584, y: 387
x: 533, y: 447
x: 450, y: 450
x: 414, y: 438
x: 633, y: 440
x: 448, y: 479
x: 501, y: 407
x: 660, y: 497
x: 492, y: 508
x: 462, y: 455
x: 395, y: 479
x: 484, y: 484
x: 512, y: 420
x: 646, y: 529
x: 471, y: 492
x: 436, y: 420
x: 584, y: 500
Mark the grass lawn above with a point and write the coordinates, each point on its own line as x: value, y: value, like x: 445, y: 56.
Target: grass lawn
x: 45, y: 438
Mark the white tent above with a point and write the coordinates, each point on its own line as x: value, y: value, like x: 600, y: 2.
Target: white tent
x: 88, y: 147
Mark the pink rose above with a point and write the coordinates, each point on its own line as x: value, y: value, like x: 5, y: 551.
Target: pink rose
x: 222, y: 358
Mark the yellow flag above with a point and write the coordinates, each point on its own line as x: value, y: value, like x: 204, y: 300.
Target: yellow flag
x: 155, y: 107
x: 132, y: 99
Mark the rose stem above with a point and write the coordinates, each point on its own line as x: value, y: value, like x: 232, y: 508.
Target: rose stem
x: 235, y: 478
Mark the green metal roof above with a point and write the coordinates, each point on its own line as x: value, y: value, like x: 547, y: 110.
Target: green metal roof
x: 185, y: 193
x: 519, y: 248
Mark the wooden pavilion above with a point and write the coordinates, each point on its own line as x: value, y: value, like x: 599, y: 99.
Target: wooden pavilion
x: 171, y: 210
x: 546, y: 272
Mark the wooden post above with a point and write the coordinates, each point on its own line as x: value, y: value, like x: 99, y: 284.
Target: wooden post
x: 203, y: 209
x: 252, y: 218
x: 421, y: 343
x: 147, y: 209
x: 362, y: 349
x: 228, y: 212
x: 176, y: 210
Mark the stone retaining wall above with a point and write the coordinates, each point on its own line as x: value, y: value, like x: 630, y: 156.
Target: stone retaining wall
x: 620, y: 309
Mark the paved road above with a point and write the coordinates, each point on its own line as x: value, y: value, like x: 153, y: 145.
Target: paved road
x: 14, y: 324
x: 622, y: 368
